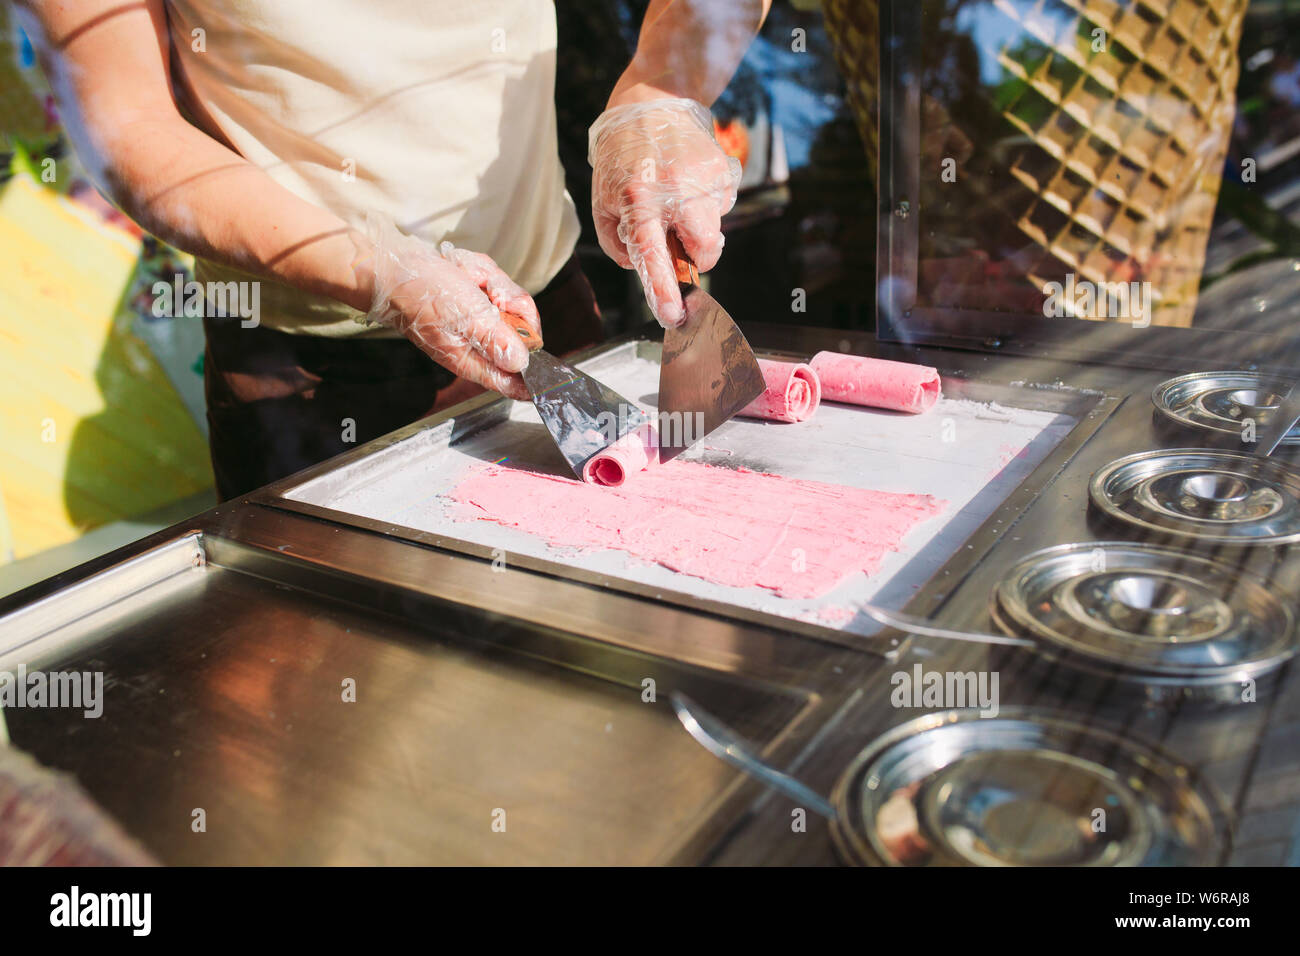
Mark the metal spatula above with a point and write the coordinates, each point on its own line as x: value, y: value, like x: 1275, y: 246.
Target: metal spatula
x: 583, y: 416
x: 708, y: 371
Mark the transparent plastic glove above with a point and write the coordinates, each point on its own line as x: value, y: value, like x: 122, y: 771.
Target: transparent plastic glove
x: 657, y: 167
x: 448, y: 301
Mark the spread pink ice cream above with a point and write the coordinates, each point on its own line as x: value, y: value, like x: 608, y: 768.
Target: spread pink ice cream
x: 632, y: 453
x: 792, y: 394
x: 880, y: 383
x: 740, y: 528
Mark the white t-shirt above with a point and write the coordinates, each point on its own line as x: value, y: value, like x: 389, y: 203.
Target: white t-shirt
x: 439, y: 114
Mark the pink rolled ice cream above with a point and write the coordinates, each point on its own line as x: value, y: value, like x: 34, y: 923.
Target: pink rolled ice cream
x: 793, y: 393
x: 879, y: 383
x: 633, y: 453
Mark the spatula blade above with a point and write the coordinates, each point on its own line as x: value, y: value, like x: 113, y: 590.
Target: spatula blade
x: 582, y: 415
x: 707, y: 375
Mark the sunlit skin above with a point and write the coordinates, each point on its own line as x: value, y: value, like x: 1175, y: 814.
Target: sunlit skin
x: 108, y: 62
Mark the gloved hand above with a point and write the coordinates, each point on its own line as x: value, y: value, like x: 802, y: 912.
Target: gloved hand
x: 448, y: 301
x: 656, y: 166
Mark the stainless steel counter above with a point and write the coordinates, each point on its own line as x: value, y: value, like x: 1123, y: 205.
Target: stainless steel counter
x: 1249, y: 752
x: 527, y: 733
x: 516, y: 697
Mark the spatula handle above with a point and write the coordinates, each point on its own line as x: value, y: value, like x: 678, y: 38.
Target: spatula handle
x: 520, y: 325
x: 682, y: 265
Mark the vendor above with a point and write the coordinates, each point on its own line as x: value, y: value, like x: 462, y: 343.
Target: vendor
x: 386, y: 175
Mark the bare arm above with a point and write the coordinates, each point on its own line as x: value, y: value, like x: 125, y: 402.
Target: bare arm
x: 689, y: 48
x: 108, y: 63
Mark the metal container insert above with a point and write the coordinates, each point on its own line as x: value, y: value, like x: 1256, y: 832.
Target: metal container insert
x: 1147, y: 614
x: 1217, y: 404
x: 1191, y: 496
x: 1022, y: 789
x: 1027, y: 788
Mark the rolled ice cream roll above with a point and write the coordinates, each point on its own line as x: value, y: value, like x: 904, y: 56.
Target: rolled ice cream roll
x: 634, y: 452
x: 793, y: 393
x: 880, y: 383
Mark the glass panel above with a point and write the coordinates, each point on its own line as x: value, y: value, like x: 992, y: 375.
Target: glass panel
x: 1118, y: 162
